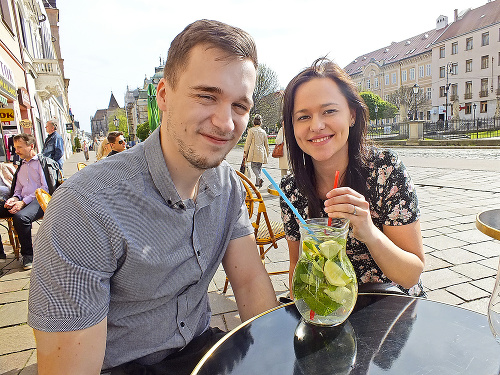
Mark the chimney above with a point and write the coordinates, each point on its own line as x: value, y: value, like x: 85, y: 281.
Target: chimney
x: 442, y: 21
x: 456, y: 15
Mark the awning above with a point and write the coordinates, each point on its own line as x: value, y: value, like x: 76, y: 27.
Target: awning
x: 3, y: 100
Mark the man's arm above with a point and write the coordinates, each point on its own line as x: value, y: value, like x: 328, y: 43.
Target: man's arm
x: 249, y: 279
x: 75, y: 352
x: 58, y: 148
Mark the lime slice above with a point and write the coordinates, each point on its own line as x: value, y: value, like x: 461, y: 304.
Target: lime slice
x: 330, y: 248
x: 334, y: 274
x: 310, y: 247
x: 341, y: 295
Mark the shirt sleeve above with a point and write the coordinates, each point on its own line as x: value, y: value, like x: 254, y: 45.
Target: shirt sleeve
x: 243, y: 227
x: 59, y: 148
x: 73, y: 264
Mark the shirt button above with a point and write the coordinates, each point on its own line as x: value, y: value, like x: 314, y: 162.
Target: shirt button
x: 198, y: 252
x: 182, y: 324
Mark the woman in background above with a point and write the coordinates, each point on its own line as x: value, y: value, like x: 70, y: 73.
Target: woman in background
x: 103, y: 149
x: 325, y: 128
x: 283, y: 160
x: 256, y: 149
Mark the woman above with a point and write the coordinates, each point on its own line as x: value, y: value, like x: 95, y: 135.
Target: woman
x: 103, y: 149
x: 325, y: 128
x: 283, y: 160
x: 256, y: 149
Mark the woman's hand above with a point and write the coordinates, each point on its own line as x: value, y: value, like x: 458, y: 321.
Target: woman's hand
x: 347, y: 203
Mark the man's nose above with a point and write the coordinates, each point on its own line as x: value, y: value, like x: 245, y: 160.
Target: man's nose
x: 223, y: 118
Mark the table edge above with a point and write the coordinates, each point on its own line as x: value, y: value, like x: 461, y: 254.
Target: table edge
x: 486, y: 229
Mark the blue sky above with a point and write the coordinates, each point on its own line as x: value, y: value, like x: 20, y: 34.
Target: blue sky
x: 115, y: 43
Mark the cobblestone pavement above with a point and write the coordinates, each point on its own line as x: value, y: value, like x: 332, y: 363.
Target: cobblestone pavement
x: 453, y: 185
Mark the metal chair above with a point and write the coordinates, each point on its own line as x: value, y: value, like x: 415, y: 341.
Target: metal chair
x: 267, y: 232
x: 43, y: 198
x: 13, y: 238
x: 80, y: 166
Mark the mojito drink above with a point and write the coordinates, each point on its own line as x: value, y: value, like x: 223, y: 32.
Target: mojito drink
x: 324, y: 283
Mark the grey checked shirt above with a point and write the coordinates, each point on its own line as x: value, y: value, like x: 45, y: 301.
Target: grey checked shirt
x: 118, y: 241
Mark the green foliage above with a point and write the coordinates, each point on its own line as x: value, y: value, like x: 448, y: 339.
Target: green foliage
x: 77, y: 143
x: 122, y: 122
x: 143, y: 131
x: 385, y: 109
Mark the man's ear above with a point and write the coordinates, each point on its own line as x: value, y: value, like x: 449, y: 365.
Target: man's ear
x: 161, y: 94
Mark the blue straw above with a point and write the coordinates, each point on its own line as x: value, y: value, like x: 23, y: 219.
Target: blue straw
x: 284, y: 196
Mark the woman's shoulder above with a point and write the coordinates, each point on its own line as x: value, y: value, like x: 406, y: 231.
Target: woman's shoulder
x: 379, y: 157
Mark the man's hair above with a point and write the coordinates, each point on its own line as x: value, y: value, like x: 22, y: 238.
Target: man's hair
x: 27, y: 138
x: 54, y: 124
x: 232, y: 40
x: 113, y: 135
x: 257, y: 120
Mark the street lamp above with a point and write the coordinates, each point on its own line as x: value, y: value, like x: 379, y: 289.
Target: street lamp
x: 376, y: 115
x: 474, y: 120
x: 116, y: 122
x: 415, y: 92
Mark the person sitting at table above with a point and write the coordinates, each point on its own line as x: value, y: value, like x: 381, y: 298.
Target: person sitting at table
x: 123, y: 262
x: 325, y: 129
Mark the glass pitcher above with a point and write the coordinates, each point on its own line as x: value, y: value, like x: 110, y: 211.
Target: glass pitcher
x: 494, y: 308
x: 324, y: 283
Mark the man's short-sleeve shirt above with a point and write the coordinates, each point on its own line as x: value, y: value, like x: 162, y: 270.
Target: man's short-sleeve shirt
x: 118, y: 242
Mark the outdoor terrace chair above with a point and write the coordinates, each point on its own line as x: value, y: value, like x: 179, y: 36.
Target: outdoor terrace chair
x: 80, y: 166
x: 267, y: 232
x: 43, y: 198
x: 13, y: 238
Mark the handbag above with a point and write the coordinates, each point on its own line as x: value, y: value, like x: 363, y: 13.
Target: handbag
x: 243, y: 165
x: 278, y: 150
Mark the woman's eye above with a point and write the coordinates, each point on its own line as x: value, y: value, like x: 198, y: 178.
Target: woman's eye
x: 330, y: 111
x: 300, y: 118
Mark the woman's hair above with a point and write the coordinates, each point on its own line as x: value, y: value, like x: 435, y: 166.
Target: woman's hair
x: 102, y: 150
x: 257, y: 120
x: 303, y: 169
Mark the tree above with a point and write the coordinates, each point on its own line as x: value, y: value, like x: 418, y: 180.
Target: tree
x: 266, y: 97
x: 78, y: 145
x: 404, y: 99
x: 385, y: 109
x: 122, y: 122
x: 143, y: 131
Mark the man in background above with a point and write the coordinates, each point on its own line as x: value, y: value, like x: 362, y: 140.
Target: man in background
x: 54, y: 145
x: 117, y: 142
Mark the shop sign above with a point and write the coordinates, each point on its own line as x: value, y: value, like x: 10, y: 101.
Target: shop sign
x: 23, y: 97
x: 7, y: 86
x: 6, y: 115
x: 25, y: 124
x: 69, y: 127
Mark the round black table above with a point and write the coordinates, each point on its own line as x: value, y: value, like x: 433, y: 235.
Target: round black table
x: 385, y: 334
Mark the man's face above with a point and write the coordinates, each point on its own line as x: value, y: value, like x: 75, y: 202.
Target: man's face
x: 206, y: 113
x: 119, y: 145
x: 50, y: 127
x: 23, y: 150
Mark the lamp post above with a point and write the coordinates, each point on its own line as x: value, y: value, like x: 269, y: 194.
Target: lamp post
x: 116, y: 122
x: 415, y: 92
x: 376, y: 115
x: 474, y: 120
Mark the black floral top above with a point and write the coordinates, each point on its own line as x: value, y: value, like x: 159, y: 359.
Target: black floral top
x: 393, y: 201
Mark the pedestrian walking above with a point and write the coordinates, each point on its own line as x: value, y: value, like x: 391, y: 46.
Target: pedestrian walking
x: 282, y: 160
x: 86, y: 150
x: 256, y: 149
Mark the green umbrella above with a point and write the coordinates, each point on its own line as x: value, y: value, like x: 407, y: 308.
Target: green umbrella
x: 153, y: 111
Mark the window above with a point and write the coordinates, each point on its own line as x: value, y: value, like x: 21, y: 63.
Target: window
x: 387, y: 81
x: 429, y: 93
x: 468, y: 90
x: 376, y: 82
x: 468, y: 44
x: 403, y: 75
x: 483, y: 106
x: 498, y: 86
x: 442, y: 53
x: 428, y: 70
x: 368, y: 84
x: 394, y: 78
x: 5, y: 13
x: 484, y: 61
x: 485, y: 39
x: 454, y: 68
x: 442, y: 72
x: 468, y: 65
x: 442, y: 91
x: 386, y: 97
x: 454, y: 48
x: 468, y: 107
x: 412, y: 74
x: 484, y: 88
x: 421, y: 71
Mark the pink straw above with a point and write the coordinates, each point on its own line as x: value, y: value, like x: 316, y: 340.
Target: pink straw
x: 335, y: 184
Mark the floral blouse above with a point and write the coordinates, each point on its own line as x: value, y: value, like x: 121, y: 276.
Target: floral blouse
x: 393, y: 201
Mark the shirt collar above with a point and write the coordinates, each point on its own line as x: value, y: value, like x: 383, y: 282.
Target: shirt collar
x: 23, y: 161
x: 209, y: 182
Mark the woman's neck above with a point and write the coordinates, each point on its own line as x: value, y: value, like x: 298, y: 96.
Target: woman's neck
x: 325, y: 174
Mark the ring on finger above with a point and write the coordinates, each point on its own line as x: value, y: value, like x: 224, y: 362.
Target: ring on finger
x: 354, y: 211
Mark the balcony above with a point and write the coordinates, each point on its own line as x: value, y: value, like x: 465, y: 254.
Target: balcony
x: 498, y: 92
x: 483, y: 93
x: 468, y: 95
x: 49, y: 79
x: 453, y: 97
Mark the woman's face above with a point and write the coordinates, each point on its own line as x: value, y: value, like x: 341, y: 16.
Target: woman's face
x: 321, y: 119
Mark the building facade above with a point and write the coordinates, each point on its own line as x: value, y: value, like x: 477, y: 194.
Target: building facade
x: 99, y: 123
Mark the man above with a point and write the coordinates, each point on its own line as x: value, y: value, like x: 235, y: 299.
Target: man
x: 117, y: 142
x: 54, y: 144
x: 35, y: 171
x: 135, y: 239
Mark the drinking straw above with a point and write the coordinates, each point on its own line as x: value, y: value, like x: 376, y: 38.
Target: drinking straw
x: 335, y: 184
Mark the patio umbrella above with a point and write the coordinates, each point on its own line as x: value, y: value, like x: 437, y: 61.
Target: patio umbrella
x: 153, y: 111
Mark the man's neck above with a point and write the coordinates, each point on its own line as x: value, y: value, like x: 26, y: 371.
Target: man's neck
x: 32, y: 155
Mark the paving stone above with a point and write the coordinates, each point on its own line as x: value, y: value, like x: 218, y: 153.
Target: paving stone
x: 480, y: 305
x: 442, y: 278
x: 487, y: 249
x: 232, y: 320
x: 13, y: 285
x: 430, y: 233
x: 218, y: 321
x: 486, y: 284
x: 14, y: 364
x: 16, y: 339
x: 220, y: 304
x: 445, y: 230
x: 490, y: 262
x: 441, y: 295
x: 467, y: 292
x: 13, y: 313
x: 458, y: 256
x: 31, y: 367
x: 473, y: 270
x: 442, y: 242
x: 16, y: 274
x: 21, y: 295
x: 470, y: 236
x: 434, y: 263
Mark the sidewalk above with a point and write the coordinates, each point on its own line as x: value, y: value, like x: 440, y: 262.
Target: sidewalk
x: 461, y: 262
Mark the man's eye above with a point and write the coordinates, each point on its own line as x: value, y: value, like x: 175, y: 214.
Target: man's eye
x: 241, y: 107
x: 205, y: 97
